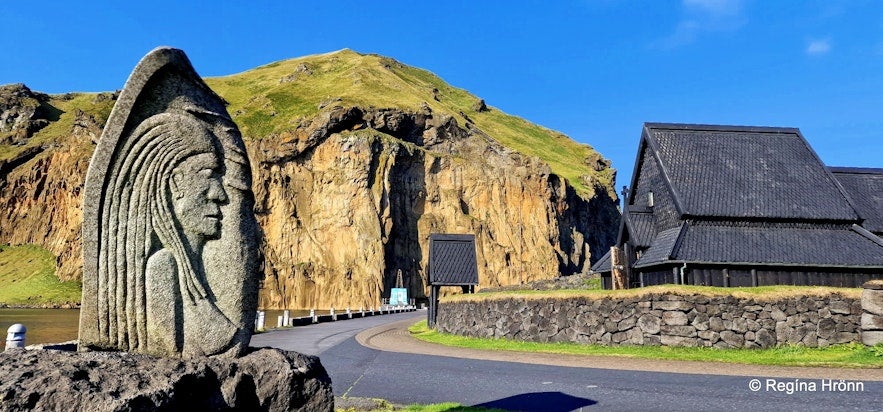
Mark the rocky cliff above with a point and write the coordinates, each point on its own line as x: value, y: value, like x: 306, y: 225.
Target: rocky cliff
x: 355, y: 198
x: 45, y: 146
x: 357, y: 159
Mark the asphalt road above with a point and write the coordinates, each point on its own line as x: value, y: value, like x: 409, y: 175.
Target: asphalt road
x: 316, y: 339
x: 403, y: 378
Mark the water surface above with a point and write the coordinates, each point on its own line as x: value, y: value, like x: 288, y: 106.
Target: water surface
x: 61, y: 325
x: 44, y: 325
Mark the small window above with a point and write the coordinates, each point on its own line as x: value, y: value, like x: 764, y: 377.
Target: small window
x: 650, y: 199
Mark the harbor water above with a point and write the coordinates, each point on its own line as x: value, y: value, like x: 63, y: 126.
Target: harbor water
x: 62, y: 325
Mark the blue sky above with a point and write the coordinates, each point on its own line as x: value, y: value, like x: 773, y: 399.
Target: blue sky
x: 594, y: 70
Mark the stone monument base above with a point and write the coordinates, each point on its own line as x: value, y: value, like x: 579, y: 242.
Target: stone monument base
x: 263, y: 379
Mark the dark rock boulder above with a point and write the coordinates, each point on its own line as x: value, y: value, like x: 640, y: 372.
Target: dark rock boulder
x: 264, y: 379
x: 22, y: 113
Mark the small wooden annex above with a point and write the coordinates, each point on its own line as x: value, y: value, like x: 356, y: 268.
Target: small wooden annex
x: 746, y: 206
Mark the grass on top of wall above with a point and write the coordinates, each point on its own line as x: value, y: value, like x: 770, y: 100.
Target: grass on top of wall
x: 763, y: 293
x: 851, y: 355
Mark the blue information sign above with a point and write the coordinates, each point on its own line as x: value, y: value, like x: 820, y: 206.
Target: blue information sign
x: 398, y: 297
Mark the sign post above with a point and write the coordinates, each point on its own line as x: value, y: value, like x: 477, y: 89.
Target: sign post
x: 452, y: 262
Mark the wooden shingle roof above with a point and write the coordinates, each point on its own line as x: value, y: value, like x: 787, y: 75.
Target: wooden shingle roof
x: 768, y: 244
x: 662, y: 249
x: 603, y: 264
x: 641, y: 227
x: 452, y: 259
x: 746, y: 172
x: 865, y: 188
x: 750, y: 196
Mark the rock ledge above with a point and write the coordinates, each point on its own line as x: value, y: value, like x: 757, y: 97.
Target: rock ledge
x: 263, y: 379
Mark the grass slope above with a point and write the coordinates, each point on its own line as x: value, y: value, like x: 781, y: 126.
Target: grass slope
x: 27, y: 277
x: 276, y: 98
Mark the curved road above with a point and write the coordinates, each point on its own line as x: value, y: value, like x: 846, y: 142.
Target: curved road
x: 374, y: 357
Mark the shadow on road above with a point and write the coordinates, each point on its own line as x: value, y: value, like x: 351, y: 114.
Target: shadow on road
x: 539, y: 401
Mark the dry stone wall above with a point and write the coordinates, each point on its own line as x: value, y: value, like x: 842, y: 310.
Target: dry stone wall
x: 660, y: 319
x: 872, y: 316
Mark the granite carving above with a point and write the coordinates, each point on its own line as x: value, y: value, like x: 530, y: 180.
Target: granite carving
x: 170, y: 251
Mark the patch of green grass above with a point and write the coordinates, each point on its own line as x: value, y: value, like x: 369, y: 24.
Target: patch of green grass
x: 564, y: 156
x: 851, y: 355
x: 757, y: 293
x: 593, y: 283
x: 27, y: 278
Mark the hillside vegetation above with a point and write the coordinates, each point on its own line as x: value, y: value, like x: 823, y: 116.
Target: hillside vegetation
x: 78, y: 112
x: 27, y: 278
x: 274, y: 99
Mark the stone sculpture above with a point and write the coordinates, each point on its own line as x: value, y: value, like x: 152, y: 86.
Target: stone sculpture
x: 170, y: 239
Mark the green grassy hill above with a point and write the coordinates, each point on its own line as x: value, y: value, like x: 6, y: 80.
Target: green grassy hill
x: 273, y: 99
x: 276, y: 98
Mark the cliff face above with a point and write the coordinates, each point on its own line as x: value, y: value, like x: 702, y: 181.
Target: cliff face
x: 348, y: 193
x: 41, y: 179
x: 353, y: 197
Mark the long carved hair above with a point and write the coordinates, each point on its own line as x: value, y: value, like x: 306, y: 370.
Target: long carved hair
x: 138, y: 217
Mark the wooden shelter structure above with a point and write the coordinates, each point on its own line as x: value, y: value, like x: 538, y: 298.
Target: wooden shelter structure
x: 452, y: 262
x: 745, y: 206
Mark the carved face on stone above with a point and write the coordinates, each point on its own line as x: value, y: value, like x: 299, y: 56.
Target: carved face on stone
x: 197, y: 193
x: 169, y: 167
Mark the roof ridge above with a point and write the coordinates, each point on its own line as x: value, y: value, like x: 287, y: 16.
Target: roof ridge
x: 765, y: 222
x: 856, y: 170
x: 654, y: 147
x: 677, y: 244
x: 720, y: 128
x: 864, y: 232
